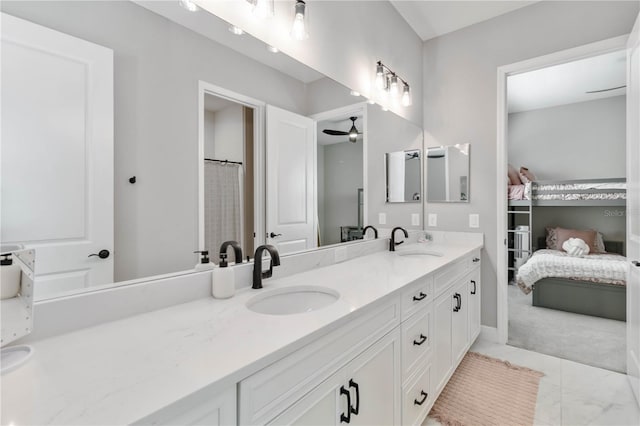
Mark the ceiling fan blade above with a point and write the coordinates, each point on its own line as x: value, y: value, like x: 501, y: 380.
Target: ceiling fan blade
x: 334, y: 132
x: 607, y: 90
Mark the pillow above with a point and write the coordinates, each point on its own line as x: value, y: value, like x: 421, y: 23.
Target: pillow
x: 514, y: 178
x: 525, y: 175
x: 588, y: 236
x: 552, y: 241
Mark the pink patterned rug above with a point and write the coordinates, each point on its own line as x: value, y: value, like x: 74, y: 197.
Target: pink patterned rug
x: 488, y: 391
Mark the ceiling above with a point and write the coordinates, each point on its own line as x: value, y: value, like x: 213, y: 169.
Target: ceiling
x: 430, y: 19
x: 567, y: 83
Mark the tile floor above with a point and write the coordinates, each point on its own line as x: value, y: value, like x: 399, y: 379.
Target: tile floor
x: 570, y: 393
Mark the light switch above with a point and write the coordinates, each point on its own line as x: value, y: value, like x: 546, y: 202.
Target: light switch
x: 433, y: 219
x: 415, y: 219
x: 474, y: 220
x: 382, y: 218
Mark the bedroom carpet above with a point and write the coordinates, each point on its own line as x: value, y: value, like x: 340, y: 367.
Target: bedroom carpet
x: 599, y: 342
x: 488, y: 391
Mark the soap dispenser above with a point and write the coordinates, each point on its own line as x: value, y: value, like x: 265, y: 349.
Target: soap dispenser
x: 223, y: 284
x: 205, y: 264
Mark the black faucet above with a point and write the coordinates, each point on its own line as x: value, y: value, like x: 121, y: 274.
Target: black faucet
x: 258, y: 274
x: 237, y: 251
x: 375, y: 231
x: 392, y: 241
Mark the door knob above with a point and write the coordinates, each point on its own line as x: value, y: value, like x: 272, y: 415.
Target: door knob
x: 272, y: 235
x: 102, y: 254
x: 636, y: 263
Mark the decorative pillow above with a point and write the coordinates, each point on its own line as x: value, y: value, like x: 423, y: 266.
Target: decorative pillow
x: 588, y: 236
x: 552, y: 238
x: 514, y: 177
x: 600, y: 243
x: 525, y: 175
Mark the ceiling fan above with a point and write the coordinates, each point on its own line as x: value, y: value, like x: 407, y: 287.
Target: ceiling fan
x: 352, y: 133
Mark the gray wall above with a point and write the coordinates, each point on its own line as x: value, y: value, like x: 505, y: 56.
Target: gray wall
x: 460, y: 97
x: 342, y: 176
x: 387, y: 132
x: 157, y: 68
x: 591, y: 134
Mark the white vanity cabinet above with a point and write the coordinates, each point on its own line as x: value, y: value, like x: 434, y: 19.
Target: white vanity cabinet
x: 456, y: 316
x: 353, y: 374
x: 364, y: 392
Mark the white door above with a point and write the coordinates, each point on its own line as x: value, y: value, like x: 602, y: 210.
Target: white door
x: 374, y: 382
x: 459, y: 321
x: 57, y: 154
x: 633, y: 208
x: 443, y: 359
x: 290, y: 192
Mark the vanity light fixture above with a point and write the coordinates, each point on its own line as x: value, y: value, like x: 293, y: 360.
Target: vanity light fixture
x: 406, y: 96
x: 299, y: 28
x: 388, y: 82
x: 262, y: 9
x: 189, y: 5
x: 272, y: 49
x: 236, y: 30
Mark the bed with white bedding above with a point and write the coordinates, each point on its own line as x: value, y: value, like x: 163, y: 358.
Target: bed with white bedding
x: 594, y: 284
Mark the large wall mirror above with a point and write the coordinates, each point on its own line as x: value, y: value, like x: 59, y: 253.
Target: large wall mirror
x: 202, y: 136
x: 448, y: 174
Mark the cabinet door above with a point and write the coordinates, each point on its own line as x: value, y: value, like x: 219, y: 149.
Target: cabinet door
x: 474, y: 304
x: 374, y: 381
x: 459, y: 320
x: 443, y: 360
x: 323, y: 406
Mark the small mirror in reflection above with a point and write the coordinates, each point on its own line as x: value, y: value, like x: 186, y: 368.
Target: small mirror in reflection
x: 403, y: 176
x: 448, y: 174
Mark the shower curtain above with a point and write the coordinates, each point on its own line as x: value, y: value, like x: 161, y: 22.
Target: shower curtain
x: 222, y: 208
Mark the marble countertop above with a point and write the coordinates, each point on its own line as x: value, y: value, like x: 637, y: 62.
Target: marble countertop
x: 121, y: 371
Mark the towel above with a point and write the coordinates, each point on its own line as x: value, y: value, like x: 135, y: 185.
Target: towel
x: 575, y: 247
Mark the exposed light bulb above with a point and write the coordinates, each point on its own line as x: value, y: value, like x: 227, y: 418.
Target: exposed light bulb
x: 262, y: 9
x: 236, y: 30
x: 189, y: 5
x: 380, y: 77
x: 394, y: 87
x: 406, y: 96
x: 353, y: 134
x: 272, y: 49
x: 299, y: 30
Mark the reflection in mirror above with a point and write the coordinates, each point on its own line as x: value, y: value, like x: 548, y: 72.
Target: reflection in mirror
x: 228, y: 175
x: 448, y: 174
x: 340, y: 178
x: 403, y: 176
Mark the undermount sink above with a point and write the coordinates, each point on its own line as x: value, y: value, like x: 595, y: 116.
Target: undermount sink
x: 292, y: 300
x: 420, y: 253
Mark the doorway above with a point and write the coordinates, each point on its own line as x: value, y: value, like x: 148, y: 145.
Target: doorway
x: 525, y: 231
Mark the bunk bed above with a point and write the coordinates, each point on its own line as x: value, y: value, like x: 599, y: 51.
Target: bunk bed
x: 602, y: 297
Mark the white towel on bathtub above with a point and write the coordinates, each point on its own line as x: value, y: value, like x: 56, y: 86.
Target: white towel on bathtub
x: 575, y: 247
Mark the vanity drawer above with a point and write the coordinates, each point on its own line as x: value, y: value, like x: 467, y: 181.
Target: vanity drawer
x: 474, y: 259
x: 273, y: 389
x: 450, y: 273
x: 417, y: 337
x: 417, y: 397
x: 416, y: 296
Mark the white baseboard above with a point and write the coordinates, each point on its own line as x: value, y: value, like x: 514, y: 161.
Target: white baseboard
x: 489, y: 334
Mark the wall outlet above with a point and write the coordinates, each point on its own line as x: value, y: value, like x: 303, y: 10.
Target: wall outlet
x: 474, y: 220
x: 382, y: 218
x: 415, y: 219
x: 433, y: 219
x: 340, y: 255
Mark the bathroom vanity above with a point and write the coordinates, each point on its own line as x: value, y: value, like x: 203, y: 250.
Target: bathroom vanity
x: 400, y: 326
